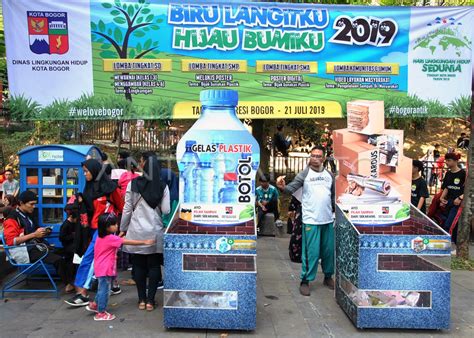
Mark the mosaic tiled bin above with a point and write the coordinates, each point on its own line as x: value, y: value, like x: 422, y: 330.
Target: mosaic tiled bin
x: 394, y: 276
x: 210, y: 276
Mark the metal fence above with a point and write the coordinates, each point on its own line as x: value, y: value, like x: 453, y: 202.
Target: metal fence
x: 155, y: 139
x: 141, y: 138
x: 91, y: 131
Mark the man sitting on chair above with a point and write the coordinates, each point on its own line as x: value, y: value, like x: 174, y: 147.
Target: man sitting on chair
x: 19, y: 228
x: 266, y: 199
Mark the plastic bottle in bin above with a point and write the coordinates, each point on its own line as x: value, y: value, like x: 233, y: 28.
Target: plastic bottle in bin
x: 228, y: 194
x: 206, y: 179
x: 224, y: 146
x: 188, y: 167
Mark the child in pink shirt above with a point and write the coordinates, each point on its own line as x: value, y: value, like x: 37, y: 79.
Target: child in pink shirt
x: 105, y: 258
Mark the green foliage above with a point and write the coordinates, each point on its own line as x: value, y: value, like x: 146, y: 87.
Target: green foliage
x: 108, y: 54
x: 22, y: 108
x: 57, y: 110
x: 460, y: 106
x: 307, y: 135
x: 120, y: 20
x: 462, y: 264
x: 161, y: 109
x: 16, y: 140
x: 118, y: 35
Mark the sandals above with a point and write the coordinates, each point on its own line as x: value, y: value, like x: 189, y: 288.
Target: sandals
x: 142, y: 305
x: 150, y: 307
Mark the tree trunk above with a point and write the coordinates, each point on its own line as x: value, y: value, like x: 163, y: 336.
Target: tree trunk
x: 128, y: 94
x: 258, y: 131
x: 465, y: 222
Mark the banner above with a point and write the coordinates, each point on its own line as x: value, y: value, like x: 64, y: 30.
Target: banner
x: 147, y: 59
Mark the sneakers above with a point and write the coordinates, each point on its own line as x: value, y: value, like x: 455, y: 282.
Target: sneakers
x: 78, y: 300
x: 115, y: 290
x: 304, y: 288
x: 329, y: 282
x: 160, y: 285
x: 104, y: 316
x: 92, y: 307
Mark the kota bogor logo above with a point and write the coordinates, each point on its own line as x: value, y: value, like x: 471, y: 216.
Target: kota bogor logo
x: 48, y: 32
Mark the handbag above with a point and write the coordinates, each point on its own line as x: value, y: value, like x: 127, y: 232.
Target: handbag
x: 19, y: 254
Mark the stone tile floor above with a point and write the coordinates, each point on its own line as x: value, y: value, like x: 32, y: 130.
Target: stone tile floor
x: 282, y: 311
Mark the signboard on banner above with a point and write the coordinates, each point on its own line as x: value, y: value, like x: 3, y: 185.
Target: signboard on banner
x: 145, y: 59
x: 374, y: 182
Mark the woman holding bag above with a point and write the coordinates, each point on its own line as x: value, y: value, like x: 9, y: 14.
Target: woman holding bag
x: 147, y: 199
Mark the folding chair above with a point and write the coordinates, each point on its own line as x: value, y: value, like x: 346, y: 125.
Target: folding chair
x: 26, y: 271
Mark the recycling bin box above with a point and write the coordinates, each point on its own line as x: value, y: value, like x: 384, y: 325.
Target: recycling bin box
x: 54, y: 173
x: 394, y: 276
x: 210, y: 276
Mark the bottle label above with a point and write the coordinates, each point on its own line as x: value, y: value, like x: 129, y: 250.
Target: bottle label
x: 208, y: 198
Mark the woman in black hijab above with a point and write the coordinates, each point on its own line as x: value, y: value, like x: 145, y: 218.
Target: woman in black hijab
x: 101, y: 195
x: 147, y: 199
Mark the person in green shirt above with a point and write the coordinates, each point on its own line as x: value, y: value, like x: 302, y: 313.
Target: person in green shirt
x: 266, y: 199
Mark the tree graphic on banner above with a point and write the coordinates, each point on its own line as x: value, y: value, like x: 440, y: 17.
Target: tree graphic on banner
x: 131, y: 21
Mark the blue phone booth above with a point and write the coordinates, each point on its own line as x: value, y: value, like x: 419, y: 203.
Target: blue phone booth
x: 54, y: 173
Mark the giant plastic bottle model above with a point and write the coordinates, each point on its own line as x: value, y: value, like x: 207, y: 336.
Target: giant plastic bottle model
x: 188, y: 167
x: 221, y: 144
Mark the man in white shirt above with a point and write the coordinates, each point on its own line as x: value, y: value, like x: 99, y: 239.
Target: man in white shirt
x: 318, y: 203
x: 10, y: 185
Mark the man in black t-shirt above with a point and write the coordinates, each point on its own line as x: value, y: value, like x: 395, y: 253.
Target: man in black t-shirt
x: 453, y: 191
x: 419, y: 188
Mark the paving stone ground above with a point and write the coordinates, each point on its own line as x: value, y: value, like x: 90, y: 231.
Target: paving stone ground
x: 282, y: 311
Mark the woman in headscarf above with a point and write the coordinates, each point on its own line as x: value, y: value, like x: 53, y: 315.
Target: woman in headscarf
x: 146, y: 201
x: 101, y: 195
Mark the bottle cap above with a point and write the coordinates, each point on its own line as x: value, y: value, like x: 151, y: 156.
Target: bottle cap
x: 219, y: 97
x: 230, y: 177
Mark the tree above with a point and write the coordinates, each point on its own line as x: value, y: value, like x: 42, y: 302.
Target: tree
x: 131, y: 20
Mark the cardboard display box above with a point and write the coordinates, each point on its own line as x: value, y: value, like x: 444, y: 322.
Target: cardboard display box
x: 366, y: 117
x: 358, y: 157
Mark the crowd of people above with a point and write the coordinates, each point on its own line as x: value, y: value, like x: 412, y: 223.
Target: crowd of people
x: 123, y: 212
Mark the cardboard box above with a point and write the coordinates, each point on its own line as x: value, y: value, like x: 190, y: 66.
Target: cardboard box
x: 401, y: 184
x: 390, y: 145
x: 404, y: 168
x: 32, y: 180
x: 358, y: 158
x: 366, y: 117
x: 367, y: 196
x: 341, y: 137
x: 49, y: 180
x: 399, y: 187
